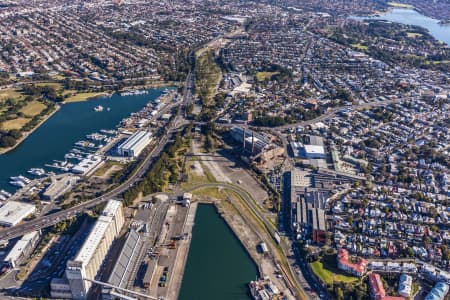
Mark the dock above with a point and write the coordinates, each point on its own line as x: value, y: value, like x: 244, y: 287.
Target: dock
x: 182, y: 255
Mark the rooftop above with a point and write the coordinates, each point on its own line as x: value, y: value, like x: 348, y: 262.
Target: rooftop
x: 13, y: 212
x: 135, y: 139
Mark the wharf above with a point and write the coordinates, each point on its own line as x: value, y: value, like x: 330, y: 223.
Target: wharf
x: 172, y: 246
x: 182, y: 254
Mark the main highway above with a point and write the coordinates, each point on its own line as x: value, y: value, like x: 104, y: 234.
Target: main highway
x: 54, y: 218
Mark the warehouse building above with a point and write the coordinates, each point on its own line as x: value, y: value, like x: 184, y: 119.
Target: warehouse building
x: 88, y: 165
x: 91, y: 255
x: 13, y: 212
x: 313, y: 148
x: 22, y: 249
x: 307, y: 207
x: 123, y: 267
x: 59, y: 185
x: 134, y: 145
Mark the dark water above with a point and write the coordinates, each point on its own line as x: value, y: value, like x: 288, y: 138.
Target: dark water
x: 440, y: 32
x: 70, y: 124
x: 218, y: 266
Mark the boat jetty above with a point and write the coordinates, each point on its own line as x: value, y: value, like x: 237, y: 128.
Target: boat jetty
x: 132, y: 93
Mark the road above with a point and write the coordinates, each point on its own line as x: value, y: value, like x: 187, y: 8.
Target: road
x: 328, y: 115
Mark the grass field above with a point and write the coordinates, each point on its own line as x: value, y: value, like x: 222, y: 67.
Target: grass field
x: 106, y: 166
x: 261, y: 76
x: 14, y: 124
x: 435, y: 62
x: 10, y: 93
x: 328, y: 273
x: 78, y: 97
x: 58, y: 77
x: 56, y: 85
x: 413, y: 35
x: 360, y: 47
x: 213, y: 192
x: 33, y: 108
x: 400, y: 5
x: 207, y: 74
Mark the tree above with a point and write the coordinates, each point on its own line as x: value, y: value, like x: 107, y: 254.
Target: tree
x: 7, y: 141
x: 339, y: 293
x: 410, y: 252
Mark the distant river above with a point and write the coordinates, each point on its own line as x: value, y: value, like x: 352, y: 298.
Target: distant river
x: 218, y: 266
x: 68, y: 125
x: 440, y: 32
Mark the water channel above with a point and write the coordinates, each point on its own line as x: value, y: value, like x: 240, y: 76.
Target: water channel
x: 406, y: 16
x: 218, y: 266
x: 70, y: 124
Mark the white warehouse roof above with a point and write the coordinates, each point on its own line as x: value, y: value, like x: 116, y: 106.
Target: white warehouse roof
x: 16, y: 251
x: 93, y: 240
x: 87, y: 165
x: 13, y: 212
x: 314, y: 149
x: 98, y: 232
x: 111, y: 208
x: 135, y: 143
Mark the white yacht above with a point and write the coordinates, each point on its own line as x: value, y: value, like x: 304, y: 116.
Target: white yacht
x: 98, y: 108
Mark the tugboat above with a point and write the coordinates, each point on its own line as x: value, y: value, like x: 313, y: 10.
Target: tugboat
x: 98, y: 108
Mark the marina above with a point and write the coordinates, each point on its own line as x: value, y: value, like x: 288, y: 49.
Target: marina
x: 73, y: 133
x: 134, y: 93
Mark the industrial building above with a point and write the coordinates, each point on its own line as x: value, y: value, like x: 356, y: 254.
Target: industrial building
x: 13, y: 212
x: 258, y: 146
x: 123, y: 267
x: 313, y: 148
x: 263, y: 289
x: 88, y: 165
x: 59, y: 185
x: 307, y: 207
x: 89, y: 258
x: 22, y: 249
x: 134, y: 145
x: 60, y: 289
x: 252, y: 142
